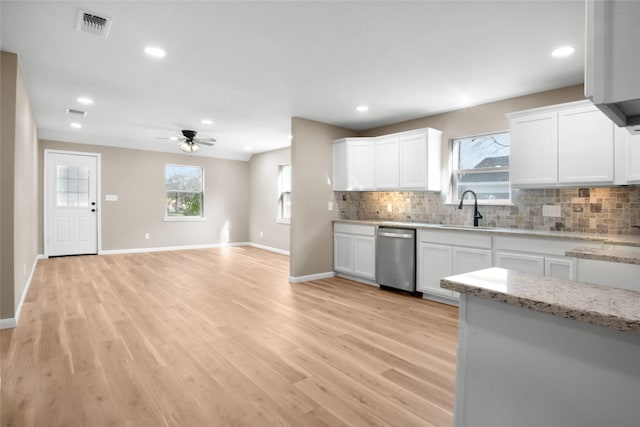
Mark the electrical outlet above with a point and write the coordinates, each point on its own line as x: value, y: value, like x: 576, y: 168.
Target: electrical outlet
x: 147, y: 236
x: 389, y: 207
x: 551, y: 210
x: 261, y: 234
x: 330, y: 206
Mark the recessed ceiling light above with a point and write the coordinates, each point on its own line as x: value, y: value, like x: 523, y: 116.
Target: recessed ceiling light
x: 75, y: 125
x: 563, y: 51
x: 156, y: 52
x: 247, y: 148
x: 84, y: 100
x: 362, y: 108
x: 206, y: 122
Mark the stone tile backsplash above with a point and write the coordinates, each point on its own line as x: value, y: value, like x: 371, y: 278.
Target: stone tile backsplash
x: 613, y: 210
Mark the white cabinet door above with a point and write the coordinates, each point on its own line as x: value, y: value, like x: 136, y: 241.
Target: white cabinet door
x: 360, y: 165
x: 364, y: 256
x: 534, y: 150
x: 413, y: 161
x: 533, y: 264
x: 560, y: 267
x: 387, y: 169
x: 466, y: 260
x: 585, y: 147
x: 420, y: 160
x: 343, y: 253
x: 434, y: 263
x: 340, y: 165
x: 632, y: 157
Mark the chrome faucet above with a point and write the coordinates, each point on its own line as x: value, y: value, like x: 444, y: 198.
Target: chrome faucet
x: 476, y: 213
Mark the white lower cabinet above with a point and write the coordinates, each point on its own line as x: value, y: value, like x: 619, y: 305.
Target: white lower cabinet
x: 538, y: 255
x: 441, y: 254
x: 434, y: 263
x: 560, y: 267
x: 364, y: 256
x: 524, y: 263
x: 608, y: 273
x: 354, y: 250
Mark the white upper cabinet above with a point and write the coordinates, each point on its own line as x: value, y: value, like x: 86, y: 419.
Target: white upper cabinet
x: 627, y: 147
x: 401, y: 161
x: 420, y: 154
x: 563, y: 145
x: 585, y: 146
x: 612, y: 66
x: 534, y: 149
x: 353, y: 164
x: 387, y: 169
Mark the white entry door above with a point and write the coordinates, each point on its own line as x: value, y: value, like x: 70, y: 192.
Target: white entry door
x: 71, y: 204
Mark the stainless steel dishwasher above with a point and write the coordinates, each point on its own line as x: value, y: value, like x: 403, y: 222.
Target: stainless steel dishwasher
x: 396, y: 258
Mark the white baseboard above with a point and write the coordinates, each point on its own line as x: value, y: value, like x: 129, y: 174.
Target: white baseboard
x: 311, y: 277
x: 12, y: 322
x: 269, y: 248
x: 171, y: 248
x: 187, y: 247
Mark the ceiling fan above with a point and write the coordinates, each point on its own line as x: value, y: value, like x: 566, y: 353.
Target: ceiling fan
x: 189, y: 143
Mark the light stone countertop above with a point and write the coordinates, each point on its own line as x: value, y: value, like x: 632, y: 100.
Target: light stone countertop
x: 607, y: 253
x: 608, y: 239
x: 612, y: 308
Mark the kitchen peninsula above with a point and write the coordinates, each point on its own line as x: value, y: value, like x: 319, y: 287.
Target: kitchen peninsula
x: 543, y: 351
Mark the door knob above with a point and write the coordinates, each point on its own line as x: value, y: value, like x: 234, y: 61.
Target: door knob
x: 93, y: 210
x: 93, y: 203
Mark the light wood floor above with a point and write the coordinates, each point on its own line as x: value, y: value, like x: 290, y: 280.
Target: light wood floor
x: 218, y: 337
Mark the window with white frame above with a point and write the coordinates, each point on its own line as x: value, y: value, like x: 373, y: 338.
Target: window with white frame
x: 481, y: 164
x: 184, y: 188
x: 284, y: 193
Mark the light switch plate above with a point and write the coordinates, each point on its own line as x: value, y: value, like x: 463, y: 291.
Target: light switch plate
x: 551, y: 210
x: 330, y: 206
x: 111, y: 197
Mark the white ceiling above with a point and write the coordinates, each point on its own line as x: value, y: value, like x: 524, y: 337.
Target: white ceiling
x: 251, y: 66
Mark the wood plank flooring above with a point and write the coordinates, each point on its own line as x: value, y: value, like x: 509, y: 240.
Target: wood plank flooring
x: 218, y: 337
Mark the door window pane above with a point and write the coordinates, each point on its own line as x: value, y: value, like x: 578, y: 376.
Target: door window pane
x: 73, y: 186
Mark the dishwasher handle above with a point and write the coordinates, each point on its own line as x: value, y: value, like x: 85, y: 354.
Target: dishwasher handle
x: 396, y: 235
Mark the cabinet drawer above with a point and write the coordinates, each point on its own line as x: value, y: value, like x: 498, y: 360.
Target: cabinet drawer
x: 364, y: 230
x: 456, y: 238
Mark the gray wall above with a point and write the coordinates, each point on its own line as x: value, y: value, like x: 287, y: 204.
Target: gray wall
x: 137, y: 177
x: 312, y: 173
x: 263, y: 203
x: 18, y: 186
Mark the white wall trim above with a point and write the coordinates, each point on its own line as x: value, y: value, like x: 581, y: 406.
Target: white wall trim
x: 172, y: 248
x: 311, y: 277
x: 12, y: 322
x: 269, y: 248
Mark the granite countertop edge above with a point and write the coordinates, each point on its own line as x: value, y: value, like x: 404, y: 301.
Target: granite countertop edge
x: 619, y: 322
x: 621, y: 240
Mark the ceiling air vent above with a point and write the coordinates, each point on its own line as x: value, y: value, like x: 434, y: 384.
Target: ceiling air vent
x: 76, y: 113
x: 93, y: 24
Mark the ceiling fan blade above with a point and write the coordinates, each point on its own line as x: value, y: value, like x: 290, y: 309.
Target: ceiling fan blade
x: 174, y: 138
x: 206, y: 139
x: 199, y: 141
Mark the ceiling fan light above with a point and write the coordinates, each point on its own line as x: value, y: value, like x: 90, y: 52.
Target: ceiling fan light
x: 195, y: 147
x: 185, y: 147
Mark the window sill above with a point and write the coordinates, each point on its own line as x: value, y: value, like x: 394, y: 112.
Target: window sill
x: 184, y: 219
x: 283, y: 221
